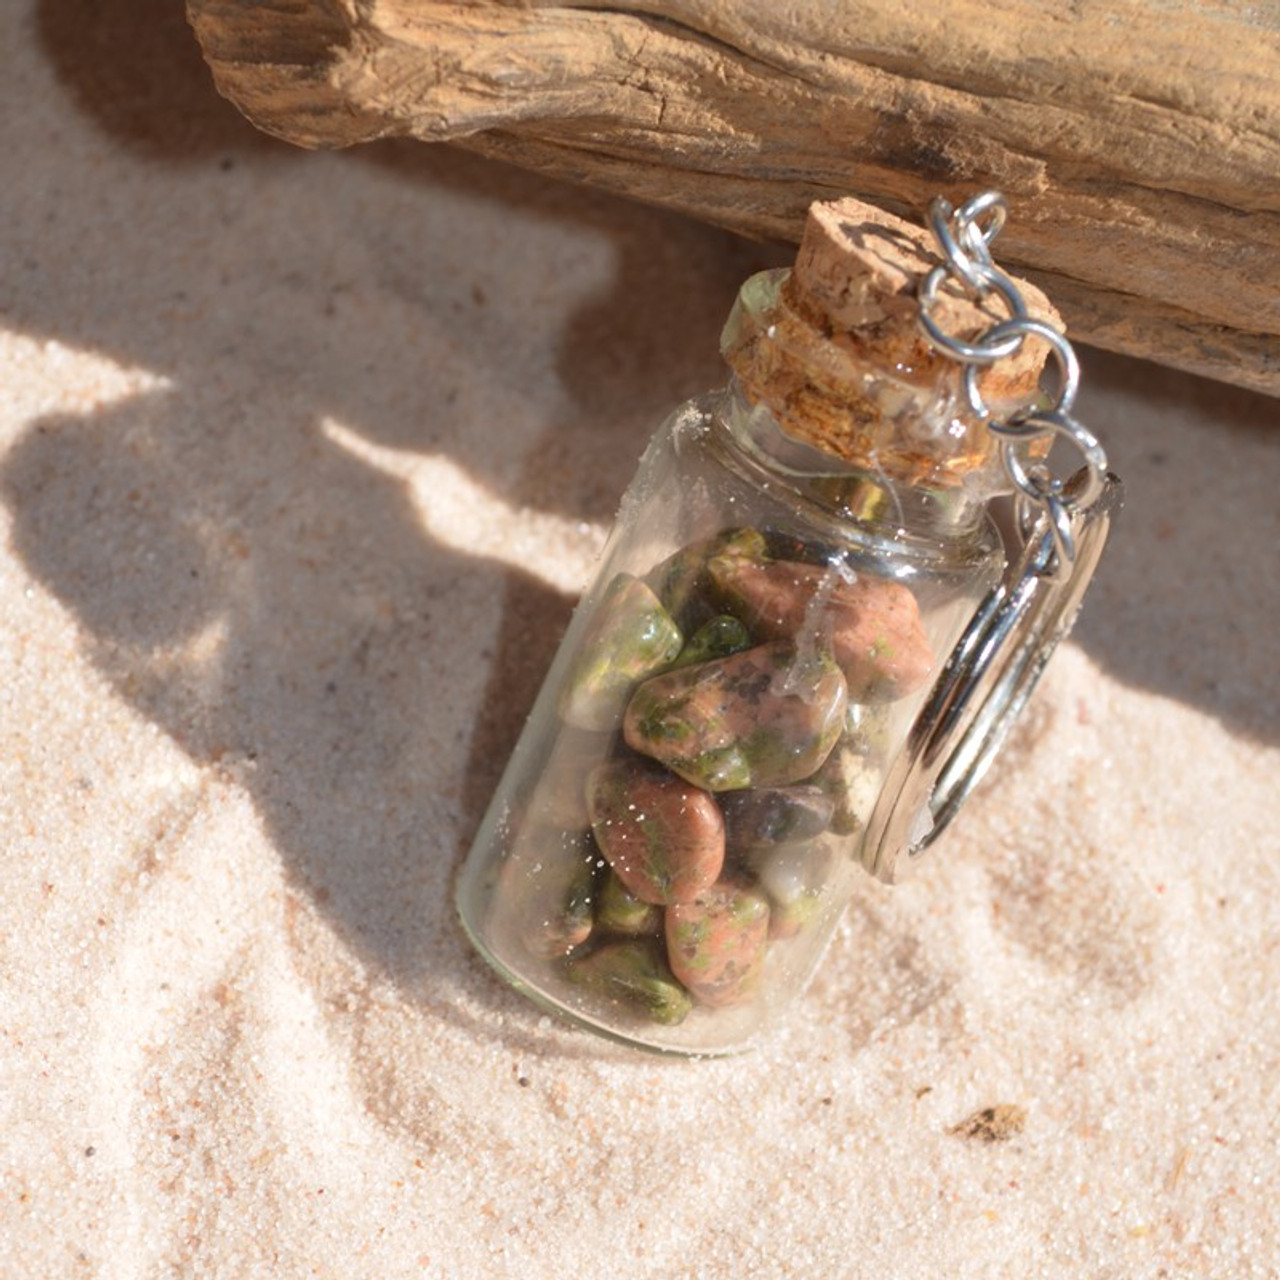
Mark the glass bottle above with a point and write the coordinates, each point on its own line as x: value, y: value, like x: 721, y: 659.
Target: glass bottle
x: 728, y: 720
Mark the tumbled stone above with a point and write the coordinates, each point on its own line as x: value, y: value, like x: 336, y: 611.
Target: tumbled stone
x: 716, y: 943
x: 716, y: 638
x: 663, y: 837
x: 681, y: 579
x: 868, y: 729
x: 548, y: 890
x: 781, y: 544
x: 636, y: 976
x: 618, y: 910
x: 766, y: 717
x: 871, y: 625
x: 766, y: 816
x: 852, y: 782
x: 794, y: 876
x: 558, y: 796
x: 630, y: 636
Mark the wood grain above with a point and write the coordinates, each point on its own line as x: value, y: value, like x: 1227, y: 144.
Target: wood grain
x: 1138, y: 143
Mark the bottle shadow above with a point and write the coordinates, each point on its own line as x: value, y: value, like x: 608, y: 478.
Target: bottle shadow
x: 1184, y: 601
x: 265, y: 588
x: 274, y: 605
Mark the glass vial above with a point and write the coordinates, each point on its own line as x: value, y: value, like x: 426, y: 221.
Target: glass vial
x: 681, y: 824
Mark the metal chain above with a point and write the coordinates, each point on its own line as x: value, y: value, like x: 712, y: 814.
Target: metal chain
x: 964, y: 237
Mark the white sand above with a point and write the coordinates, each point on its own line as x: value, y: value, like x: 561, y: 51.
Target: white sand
x: 299, y: 457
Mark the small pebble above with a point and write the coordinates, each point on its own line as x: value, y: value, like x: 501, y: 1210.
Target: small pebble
x: 717, y: 638
x: 618, y: 910
x: 999, y: 1123
x: 872, y: 626
x: 630, y: 636
x: 716, y: 943
x: 663, y: 837
x: 635, y: 974
x: 768, y: 816
x: 766, y: 717
x: 680, y: 581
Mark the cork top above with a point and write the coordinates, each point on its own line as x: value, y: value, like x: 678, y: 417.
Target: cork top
x: 834, y: 349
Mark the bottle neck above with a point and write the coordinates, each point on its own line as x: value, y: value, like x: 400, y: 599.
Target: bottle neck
x: 873, y: 501
x: 880, y: 401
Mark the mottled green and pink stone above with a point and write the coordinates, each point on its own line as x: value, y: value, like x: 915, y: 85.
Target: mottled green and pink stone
x: 724, y: 682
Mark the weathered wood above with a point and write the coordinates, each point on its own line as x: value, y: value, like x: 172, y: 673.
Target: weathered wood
x: 1139, y: 144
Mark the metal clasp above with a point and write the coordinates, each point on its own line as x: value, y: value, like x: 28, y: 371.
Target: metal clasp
x: 987, y: 680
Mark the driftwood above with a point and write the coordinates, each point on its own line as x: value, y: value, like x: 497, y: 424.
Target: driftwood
x: 1139, y: 144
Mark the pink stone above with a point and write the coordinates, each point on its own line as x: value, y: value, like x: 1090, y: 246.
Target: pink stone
x: 766, y: 717
x: 716, y: 943
x: 663, y: 838
x: 872, y: 626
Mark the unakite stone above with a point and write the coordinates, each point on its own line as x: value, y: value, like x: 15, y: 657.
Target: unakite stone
x: 549, y: 891
x: 766, y: 717
x: 717, y: 638
x: 794, y: 877
x: 635, y: 975
x: 630, y: 636
x: 663, y: 837
x: 681, y: 580
x: 872, y: 626
x: 618, y: 910
x: 716, y: 943
x: 764, y: 817
x: 781, y: 544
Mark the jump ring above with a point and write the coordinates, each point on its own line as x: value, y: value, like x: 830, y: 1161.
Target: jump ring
x: 962, y: 259
x: 1058, y: 515
x: 992, y: 346
x: 977, y: 240
x: 1051, y: 525
x: 1027, y: 480
x: 1064, y: 353
x: 1061, y: 425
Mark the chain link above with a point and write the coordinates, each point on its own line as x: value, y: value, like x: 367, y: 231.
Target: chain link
x: 1042, y: 503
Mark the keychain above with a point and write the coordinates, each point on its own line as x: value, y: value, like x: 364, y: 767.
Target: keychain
x: 806, y: 639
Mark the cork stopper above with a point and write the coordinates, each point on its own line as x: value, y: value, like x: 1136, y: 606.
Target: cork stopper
x: 834, y: 349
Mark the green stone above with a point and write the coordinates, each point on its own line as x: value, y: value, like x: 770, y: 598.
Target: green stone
x: 635, y: 975
x: 718, y: 638
x: 630, y: 636
x: 681, y: 580
x: 618, y: 910
x: 716, y: 943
